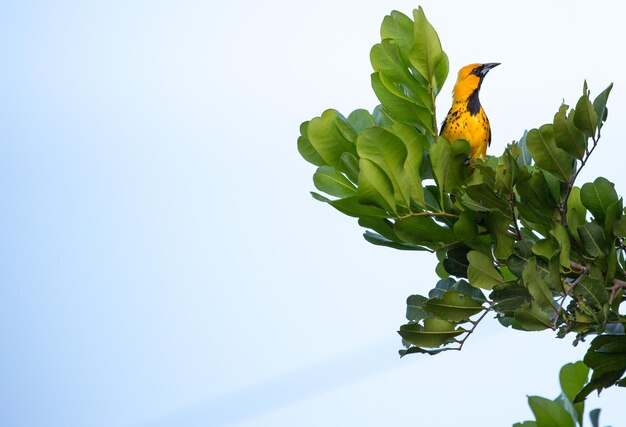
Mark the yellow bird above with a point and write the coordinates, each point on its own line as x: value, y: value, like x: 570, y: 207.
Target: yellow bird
x: 467, y: 119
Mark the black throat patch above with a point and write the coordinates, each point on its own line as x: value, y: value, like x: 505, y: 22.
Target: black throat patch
x: 473, y: 103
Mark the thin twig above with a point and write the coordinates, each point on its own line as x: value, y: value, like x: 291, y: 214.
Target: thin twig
x: 617, y: 285
x: 474, y: 326
x: 568, y: 292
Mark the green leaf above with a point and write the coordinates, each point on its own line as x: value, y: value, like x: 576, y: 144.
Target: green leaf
x: 386, y: 58
x: 526, y: 424
x: 453, y: 307
x: 524, y: 158
x: 435, y: 332
x: 593, y: 291
x: 576, y: 213
x: 619, y: 227
x: 448, y: 162
x: 328, y: 180
x: 389, y: 153
x: 426, y: 51
x: 375, y: 187
x: 413, y: 350
x: 547, y: 155
x: 562, y: 238
x: 415, y: 144
x: 360, y: 120
x: 539, y: 289
x: 509, y: 296
x: 530, y: 317
x: 573, y: 377
x: 594, y: 416
x: 592, y: 238
x: 607, y: 358
x: 378, y: 240
x: 456, y: 262
x: 327, y: 140
x: 351, y: 207
x: 415, y: 308
x: 305, y: 148
x: 599, y: 105
x: 585, y: 117
x: 545, y: 249
x: 481, y: 271
x: 522, y: 252
x: 549, y: 413
x: 399, y: 107
x: 567, y: 136
x: 398, y: 27
x: 419, y: 229
x: 499, y: 226
x: 597, y: 197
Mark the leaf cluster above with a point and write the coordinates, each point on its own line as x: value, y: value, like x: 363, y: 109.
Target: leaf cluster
x: 514, y: 235
x: 563, y: 411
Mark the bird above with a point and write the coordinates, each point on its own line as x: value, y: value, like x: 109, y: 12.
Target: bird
x: 467, y: 119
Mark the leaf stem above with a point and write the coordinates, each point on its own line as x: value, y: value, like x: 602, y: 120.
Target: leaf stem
x: 428, y: 214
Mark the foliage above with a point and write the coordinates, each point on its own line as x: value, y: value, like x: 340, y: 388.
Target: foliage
x: 562, y: 411
x: 514, y: 235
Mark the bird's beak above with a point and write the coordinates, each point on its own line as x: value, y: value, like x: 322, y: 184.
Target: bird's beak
x: 486, y: 67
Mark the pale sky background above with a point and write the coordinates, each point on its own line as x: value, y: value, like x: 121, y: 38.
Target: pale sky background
x: 162, y: 262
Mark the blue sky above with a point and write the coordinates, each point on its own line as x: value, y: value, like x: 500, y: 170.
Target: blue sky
x: 162, y: 261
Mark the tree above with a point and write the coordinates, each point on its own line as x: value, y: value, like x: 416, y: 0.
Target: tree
x: 514, y: 235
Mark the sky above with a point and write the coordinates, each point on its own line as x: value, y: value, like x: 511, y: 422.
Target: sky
x: 161, y: 260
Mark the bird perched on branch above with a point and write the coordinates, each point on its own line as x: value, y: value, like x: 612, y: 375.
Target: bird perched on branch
x: 467, y: 119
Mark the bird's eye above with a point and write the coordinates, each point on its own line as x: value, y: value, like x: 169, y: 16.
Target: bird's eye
x: 476, y: 71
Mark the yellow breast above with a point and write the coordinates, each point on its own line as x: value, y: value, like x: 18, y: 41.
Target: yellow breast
x: 475, y: 129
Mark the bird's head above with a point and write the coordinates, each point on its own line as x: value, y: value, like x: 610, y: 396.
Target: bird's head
x: 470, y: 78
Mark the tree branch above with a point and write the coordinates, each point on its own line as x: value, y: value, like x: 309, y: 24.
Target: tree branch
x: 474, y: 326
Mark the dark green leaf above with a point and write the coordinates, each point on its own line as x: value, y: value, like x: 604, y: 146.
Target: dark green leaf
x: 529, y: 317
x: 585, y: 117
x: 481, y: 271
x: 453, y: 306
x: 567, y: 136
x: 547, y: 155
x: 509, y: 296
x: 537, y: 287
x: 592, y: 238
x: 456, y: 262
x: 592, y: 291
x: 351, y: 207
x: 378, y: 240
x: 415, y: 308
x: 419, y: 229
x: 599, y: 105
x: 435, y: 332
x: 594, y: 416
x: 522, y: 252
